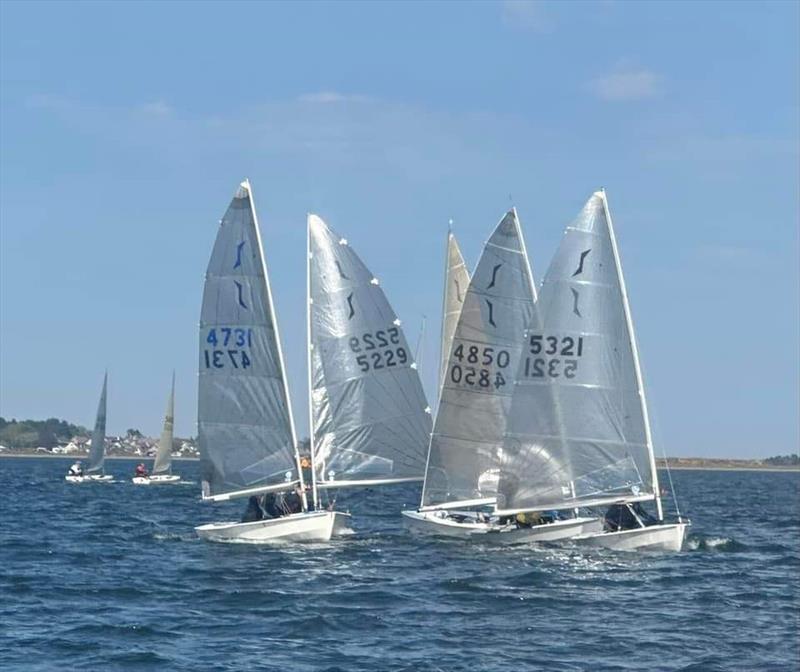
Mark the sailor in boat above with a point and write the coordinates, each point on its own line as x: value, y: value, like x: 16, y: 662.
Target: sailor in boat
x: 141, y: 471
x: 76, y: 469
x: 627, y: 517
x: 253, y: 512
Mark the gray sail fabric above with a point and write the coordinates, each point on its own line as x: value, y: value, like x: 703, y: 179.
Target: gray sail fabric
x: 97, y: 453
x: 468, y: 433
x: 163, y: 461
x: 576, y: 429
x: 244, y: 427
x: 369, y: 416
x: 456, y: 281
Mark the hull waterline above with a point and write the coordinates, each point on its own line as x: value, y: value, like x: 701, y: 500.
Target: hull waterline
x: 299, y: 527
x: 665, y: 537
x: 104, y: 478
x: 555, y: 531
x: 432, y: 522
x: 156, y: 480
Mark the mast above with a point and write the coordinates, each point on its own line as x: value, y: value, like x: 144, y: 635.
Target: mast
x: 309, y: 347
x: 246, y: 185
x: 635, y: 349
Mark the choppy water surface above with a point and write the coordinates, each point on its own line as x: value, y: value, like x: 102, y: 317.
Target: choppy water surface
x: 112, y: 577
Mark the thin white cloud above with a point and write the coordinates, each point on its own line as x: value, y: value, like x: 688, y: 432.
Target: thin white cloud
x: 329, y: 97
x: 625, y: 85
x: 526, y: 15
x: 157, y: 108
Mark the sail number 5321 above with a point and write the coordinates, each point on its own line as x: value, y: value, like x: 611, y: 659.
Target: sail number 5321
x: 557, y: 356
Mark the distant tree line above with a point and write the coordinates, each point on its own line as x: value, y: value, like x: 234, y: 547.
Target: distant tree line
x: 35, y: 433
x: 784, y: 460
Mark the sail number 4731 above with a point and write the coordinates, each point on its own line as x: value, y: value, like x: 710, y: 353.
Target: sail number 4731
x: 229, y: 348
x: 556, y: 356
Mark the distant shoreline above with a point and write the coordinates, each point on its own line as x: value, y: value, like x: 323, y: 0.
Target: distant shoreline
x: 82, y: 456
x: 696, y: 464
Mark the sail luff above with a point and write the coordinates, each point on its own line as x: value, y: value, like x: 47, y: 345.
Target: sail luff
x: 281, y: 362
x: 97, y: 454
x: 163, y: 461
x: 456, y: 282
x: 635, y: 349
x: 309, y: 347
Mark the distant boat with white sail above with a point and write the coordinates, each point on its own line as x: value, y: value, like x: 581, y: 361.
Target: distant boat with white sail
x: 578, y: 434
x: 162, y: 466
x: 95, y: 469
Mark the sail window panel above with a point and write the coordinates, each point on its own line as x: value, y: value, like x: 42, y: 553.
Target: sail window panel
x: 243, y: 456
x: 460, y: 470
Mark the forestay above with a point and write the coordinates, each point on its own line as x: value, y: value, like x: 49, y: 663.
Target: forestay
x: 470, y: 423
x: 246, y: 435
x: 163, y: 461
x: 577, y: 428
x: 456, y: 281
x: 369, y: 418
x: 97, y: 454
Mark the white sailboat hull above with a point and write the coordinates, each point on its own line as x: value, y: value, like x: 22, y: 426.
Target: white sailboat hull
x: 666, y: 537
x: 298, y: 527
x: 555, y: 531
x: 156, y: 479
x: 90, y: 478
x: 432, y: 522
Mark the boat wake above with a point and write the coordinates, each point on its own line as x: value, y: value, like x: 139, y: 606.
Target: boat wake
x: 701, y: 542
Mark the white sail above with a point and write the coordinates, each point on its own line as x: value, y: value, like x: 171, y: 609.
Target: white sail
x: 97, y: 452
x: 577, y: 431
x: 163, y: 461
x: 456, y: 281
x: 245, y: 427
x: 468, y: 433
x: 369, y: 419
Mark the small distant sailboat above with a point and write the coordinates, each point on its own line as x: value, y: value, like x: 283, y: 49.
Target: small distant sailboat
x: 162, y: 467
x: 578, y: 434
x: 370, y: 422
x: 95, y: 470
x: 248, y: 445
x: 465, y: 446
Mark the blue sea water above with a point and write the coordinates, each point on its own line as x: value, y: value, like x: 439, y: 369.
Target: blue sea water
x: 112, y: 577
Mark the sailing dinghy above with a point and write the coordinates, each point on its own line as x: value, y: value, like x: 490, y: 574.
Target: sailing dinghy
x: 578, y: 434
x: 465, y: 446
x: 95, y: 470
x: 162, y: 467
x: 370, y: 422
x: 248, y: 444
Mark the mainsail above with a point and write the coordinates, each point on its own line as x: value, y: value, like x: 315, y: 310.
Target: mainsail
x: 97, y: 453
x: 245, y: 427
x: 456, y: 281
x: 369, y: 418
x: 577, y: 431
x: 163, y: 461
x: 468, y: 434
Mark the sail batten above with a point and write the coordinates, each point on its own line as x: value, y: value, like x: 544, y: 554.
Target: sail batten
x: 367, y: 408
x: 576, y: 433
x: 466, y: 445
x: 245, y: 427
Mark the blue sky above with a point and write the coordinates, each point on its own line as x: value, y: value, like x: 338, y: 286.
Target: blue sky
x: 125, y: 128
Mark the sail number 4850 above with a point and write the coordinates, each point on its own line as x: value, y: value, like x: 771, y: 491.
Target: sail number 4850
x: 461, y: 373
